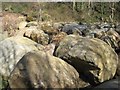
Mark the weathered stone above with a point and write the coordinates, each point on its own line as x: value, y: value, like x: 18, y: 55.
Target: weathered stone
x: 36, y: 35
x: 74, y: 28
x: 95, y: 33
x: 112, y: 38
x: 57, y: 25
x: 112, y: 31
x: 48, y: 28
x: 12, y: 50
x: 110, y: 41
x: 111, y: 85
x: 42, y: 70
x: 93, y: 57
x: 58, y: 38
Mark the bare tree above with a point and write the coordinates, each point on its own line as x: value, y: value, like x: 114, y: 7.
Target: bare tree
x: 89, y: 7
x: 82, y: 5
x: 74, y: 5
x: 39, y: 18
x: 112, y: 7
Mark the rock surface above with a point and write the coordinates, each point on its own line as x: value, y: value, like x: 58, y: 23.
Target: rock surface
x: 112, y: 38
x: 42, y: 70
x: 111, y: 85
x: 3, y: 36
x: 74, y: 28
x: 34, y: 34
x: 12, y: 50
x: 95, y: 61
x: 93, y: 57
x: 118, y: 67
x: 58, y: 38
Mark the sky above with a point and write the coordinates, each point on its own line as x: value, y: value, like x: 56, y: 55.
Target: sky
x: 59, y: 0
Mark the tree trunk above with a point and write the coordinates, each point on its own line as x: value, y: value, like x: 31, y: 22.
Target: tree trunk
x: 39, y: 20
x: 89, y: 7
x: 73, y: 5
x: 112, y: 12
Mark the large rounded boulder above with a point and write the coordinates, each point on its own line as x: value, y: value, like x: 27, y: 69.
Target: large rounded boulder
x: 12, y: 50
x: 93, y: 58
x: 42, y: 70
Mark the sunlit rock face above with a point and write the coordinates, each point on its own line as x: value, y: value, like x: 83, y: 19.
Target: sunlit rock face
x: 12, y: 50
x: 93, y: 57
x: 42, y: 70
x: 34, y: 34
x: 112, y: 38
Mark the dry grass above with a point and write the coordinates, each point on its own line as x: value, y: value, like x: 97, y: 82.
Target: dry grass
x: 11, y: 21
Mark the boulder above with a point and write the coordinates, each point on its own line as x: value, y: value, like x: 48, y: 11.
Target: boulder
x: 74, y: 28
x: 94, y: 33
x: 57, y: 25
x: 42, y: 70
x: 92, y: 57
x: 110, y: 41
x: 110, y: 85
x: 58, y: 38
x: 12, y: 50
x: 34, y: 34
x: 112, y: 38
x: 48, y: 28
x: 112, y: 31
